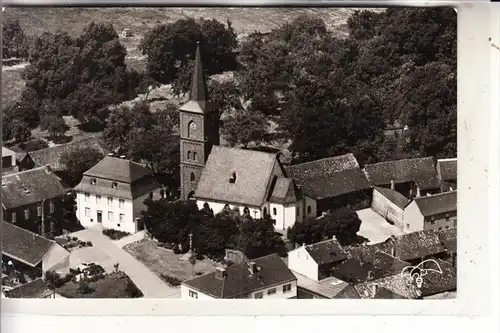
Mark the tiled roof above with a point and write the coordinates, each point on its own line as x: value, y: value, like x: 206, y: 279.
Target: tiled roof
x: 383, y: 293
x: 393, y: 196
x: 393, y: 283
x: 328, y: 288
x: 335, y: 184
x: 447, y: 169
x: 327, y: 251
x: 285, y: 191
x: 448, y: 238
x: 253, y: 170
x: 239, y: 281
x: 323, y: 167
x: 34, y: 289
x: 119, y: 169
x: 24, y: 245
x: 30, y: 186
x: 435, y: 283
x: 419, y: 170
x: 437, y: 203
x: 52, y: 156
x: 124, y: 191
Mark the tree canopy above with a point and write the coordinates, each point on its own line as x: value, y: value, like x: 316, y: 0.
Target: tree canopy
x: 80, y: 160
x: 14, y: 41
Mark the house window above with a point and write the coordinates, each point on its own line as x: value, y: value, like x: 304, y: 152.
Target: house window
x: 271, y: 291
x: 122, y: 217
x: 39, y: 211
x: 194, y: 156
x: 265, y: 212
x: 192, y: 176
x: 110, y: 201
x: 151, y: 195
x: 26, y: 214
x: 232, y: 179
x: 93, y: 181
x: 110, y: 216
x: 287, y: 288
x: 275, y: 212
x: 246, y: 211
x: 407, y: 225
x: 260, y: 294
x: 308, y: 209
x: 51, y: 207
x: 193, y: 294
x: 97, y: 198
x: 87, y: 212
x: 189, y: 154
x: 121, y: 203
x: 87, y: 196
x: 114, y: 185
x: 14, y: 217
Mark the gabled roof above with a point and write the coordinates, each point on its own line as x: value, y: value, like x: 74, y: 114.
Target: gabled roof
x: 322, y: 168
x: 239, y: 281
x: 52, y: 156
x: 435, y: 283
x: 285, y: 191
x: 329, y: 287
x: 419, y: 170
x: 119, y: 169
x: 253, y: 170
x: 393, y: 283
x: 437, y: 204
x: 7, y: 152
x: 30, y: 186
x: 34, y: 289
x: 327, y: 251
x: 393, y: 196
x: 334, y: 184
x: 447, y: 169
x: 23, y: 245
x: 198, y: 92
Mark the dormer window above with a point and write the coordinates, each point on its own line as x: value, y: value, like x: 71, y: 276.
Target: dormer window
x: 232, y: 179
x: 93, y: 181
x: 114, y: 185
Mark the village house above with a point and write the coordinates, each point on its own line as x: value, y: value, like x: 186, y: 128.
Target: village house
x: 410, y: 177
x: 266, y: 277
x: 27, y: 256
x: 333, y: 183
x: 52, y: 156
x: 447, y: 173
x: 9, y: 161
x: 111, y: 194
x: 32, y: 197
x: 390, y: 204
x: 437, y: 211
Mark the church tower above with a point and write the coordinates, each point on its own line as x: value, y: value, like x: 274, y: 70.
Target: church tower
x: 199, y: 131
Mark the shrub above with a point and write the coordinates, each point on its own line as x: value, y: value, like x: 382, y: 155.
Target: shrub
x: 84, y: 288
x: 173, y: 281
x: 114, y: 234
x: 34, y: 145
x: 176, y: 250
x: 89, y: 244
x: 131, y: 290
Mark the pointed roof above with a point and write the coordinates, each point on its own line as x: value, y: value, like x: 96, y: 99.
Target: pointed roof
x: 199, y: 92
x: 119, y: 169
x: 285, y: 191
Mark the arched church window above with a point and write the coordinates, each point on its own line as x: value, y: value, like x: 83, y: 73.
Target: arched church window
x: 308, y: 209
x: 265, y: 211
x: 194, y: 156
x: 246, y: 211
x: 189, y: 154
x: 191, y: 128
x: 226, y: 207
x: 206, y: 206
x: 275, y: 211
x: 192, y: 176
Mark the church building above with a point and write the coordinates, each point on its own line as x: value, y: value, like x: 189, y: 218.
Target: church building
x: 220, y: 177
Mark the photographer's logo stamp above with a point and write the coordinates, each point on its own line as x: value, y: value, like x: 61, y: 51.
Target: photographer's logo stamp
x: 414, y: 274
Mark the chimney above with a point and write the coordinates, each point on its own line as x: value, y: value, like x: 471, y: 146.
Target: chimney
x: 252, y: 267
x: 418, y: 192
x: 393, y: 185
x: 220, y: 273
x: 304, y: 244
x: 334, y: 238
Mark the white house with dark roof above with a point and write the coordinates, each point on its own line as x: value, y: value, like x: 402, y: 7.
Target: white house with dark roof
x: 255, y: 183
x: 437, y: 212
x: 111, y: 194
x: 9, y: 161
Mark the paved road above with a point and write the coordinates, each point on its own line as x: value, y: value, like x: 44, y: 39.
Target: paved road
x: 375, y: 227
x: 150, y: 284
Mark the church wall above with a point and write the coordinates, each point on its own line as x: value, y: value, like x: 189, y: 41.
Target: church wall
x: 217, y: 207
x: 310, y: 202
x: 284, y: 215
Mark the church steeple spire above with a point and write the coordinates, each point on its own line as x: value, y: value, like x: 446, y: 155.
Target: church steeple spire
x: 198, y: 92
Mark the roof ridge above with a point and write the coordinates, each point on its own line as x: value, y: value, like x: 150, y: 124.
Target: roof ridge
x: 239, y: 149
x: 435, y: 195
x: 30, y: 232
x: 400, y: 160
x: 448, y: 159
x: 28, y: 171
x: 322, y: 159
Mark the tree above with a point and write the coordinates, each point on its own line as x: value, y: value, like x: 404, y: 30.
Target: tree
x: 224, y: 96
x: 245, y: 127
x: 363, y: 24
x: 14, y: 41
x: 342, y: 223
x: 53, y: 280
x: 170, y: 47
x: 258, y: 238
x: 19, y: 130
x: 215, y: 235
x: 54, y: 125
x: 80, y: 160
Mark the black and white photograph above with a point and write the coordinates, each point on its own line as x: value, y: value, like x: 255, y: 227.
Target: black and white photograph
x: 229, y: 153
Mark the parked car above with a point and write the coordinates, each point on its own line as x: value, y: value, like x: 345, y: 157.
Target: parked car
x: 89, y: 271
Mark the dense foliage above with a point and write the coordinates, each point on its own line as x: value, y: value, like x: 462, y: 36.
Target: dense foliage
x: 173, y: 222
x: 14, y: 41
x: 78, y: 161
x: 343, y: 223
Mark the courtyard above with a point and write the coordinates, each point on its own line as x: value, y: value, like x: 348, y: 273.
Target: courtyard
x: 375, y: 228
x: 165, y: 262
